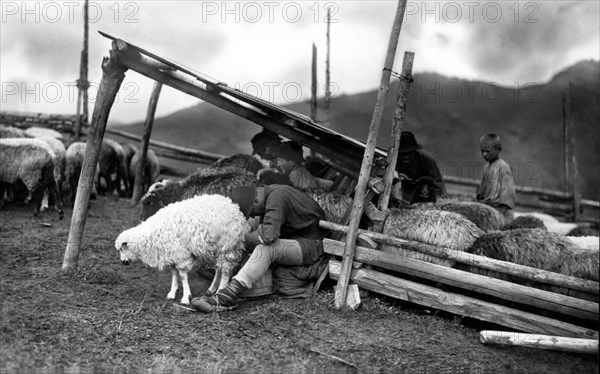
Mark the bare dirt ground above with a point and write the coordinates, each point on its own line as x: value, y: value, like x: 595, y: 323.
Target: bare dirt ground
x: 109, y: 318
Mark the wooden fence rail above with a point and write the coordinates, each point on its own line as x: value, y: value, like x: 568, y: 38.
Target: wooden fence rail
x: 569, y: 306
x: 461, y: 305
x: 537, y: 275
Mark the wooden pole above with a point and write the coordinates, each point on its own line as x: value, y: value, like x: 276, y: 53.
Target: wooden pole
x: 139, y: 172
x: 432, y: 297
x: 112, y: 77
x: 327, y: 103
x: 399, y: 117
x: 575, y: 172
x: 206, y: 156
x: 565, y: 142
x: 551, y: 342
x: 365, y: 170
x: 82, y: 82
x: 526, y: 272
x: 313, y: 88
x: 518, y: 293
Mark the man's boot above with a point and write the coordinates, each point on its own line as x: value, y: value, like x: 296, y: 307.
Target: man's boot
x: 224, y: 300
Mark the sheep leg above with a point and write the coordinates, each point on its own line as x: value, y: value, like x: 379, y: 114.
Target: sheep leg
x: 36, y: 198
x: 187, y: 293
x: 216, y: 281
x: 53, y: 188
x: 45, y: 202
x: 174, y: 284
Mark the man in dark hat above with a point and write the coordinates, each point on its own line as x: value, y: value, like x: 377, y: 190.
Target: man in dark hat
x: 413, y: 162
x: 288, y: 235
x: 263, y: 145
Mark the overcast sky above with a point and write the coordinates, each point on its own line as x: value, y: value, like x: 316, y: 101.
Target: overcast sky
x: 264, y: 47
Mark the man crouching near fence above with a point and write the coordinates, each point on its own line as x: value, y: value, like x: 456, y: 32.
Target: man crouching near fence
x: 288, y: 235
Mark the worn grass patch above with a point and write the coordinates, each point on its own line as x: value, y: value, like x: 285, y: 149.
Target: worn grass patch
x: 105, y: 317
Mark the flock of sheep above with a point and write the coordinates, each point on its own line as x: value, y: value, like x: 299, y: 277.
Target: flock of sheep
x: 42, y: 161
x: 191, y: 222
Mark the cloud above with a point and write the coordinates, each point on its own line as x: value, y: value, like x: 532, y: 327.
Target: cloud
x: 269, y: 44
x: 536, y: 46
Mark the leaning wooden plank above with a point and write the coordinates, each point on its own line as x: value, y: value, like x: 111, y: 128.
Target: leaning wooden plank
x: 462, y: 305
x: 538, y: 275
x: 328, y: 143
x: 171, y: 147
x: 546, y: 300
x: 557, y: 343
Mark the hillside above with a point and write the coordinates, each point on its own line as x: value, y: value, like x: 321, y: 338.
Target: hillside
x: 448, y: 115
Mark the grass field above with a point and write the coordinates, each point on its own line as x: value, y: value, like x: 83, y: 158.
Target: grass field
x: 109, y: 318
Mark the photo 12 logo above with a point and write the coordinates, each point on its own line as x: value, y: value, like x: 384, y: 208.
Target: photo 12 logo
x: 477, y: 92
x: 268, y: 11
x: 63, y: 92
x: 288, y: 93
x: 472, y: 11
x: 69, y: 11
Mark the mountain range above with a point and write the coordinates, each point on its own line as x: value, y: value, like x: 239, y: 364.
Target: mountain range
x: 448, y: 116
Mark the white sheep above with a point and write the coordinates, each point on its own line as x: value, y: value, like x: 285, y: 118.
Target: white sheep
x: 586, y: 242
x: 59, y: 150
x: 207, y: 230
x: 434, y: 227
x: 36, y: 132
x: 11, y: 132
x: 32, y: 162
x: 551, y: 223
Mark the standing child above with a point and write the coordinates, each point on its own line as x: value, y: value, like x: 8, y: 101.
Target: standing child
x: 497, y: 187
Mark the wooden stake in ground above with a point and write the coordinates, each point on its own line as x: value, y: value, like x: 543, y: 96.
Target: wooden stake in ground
x: 327, y: 73
x: 341, y: 290
x: 575, y: 171
x: 112, y: 77
x: 82, y: 82
x: 313, y: 88
x: 566, y: 141
x: 557, y: 343
x: 399, y: 117
x: 139, y: 172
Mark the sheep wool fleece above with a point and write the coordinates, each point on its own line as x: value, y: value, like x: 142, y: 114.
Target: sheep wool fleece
x: 204, y: 229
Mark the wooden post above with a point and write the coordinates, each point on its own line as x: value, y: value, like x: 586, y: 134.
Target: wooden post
x: 139, y: 172
x: 313, y: 88
x: 399, y: 117
x: 113, y: 75
x: 327, y: 73
x: 575, y: 172
x: 341, y: 290
x: 82, y: 82
x: 556, y: 343
x: 566, y: 142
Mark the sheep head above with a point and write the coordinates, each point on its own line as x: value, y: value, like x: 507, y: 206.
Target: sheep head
x: 152, y: 200
x: 122, y: 252
x: 424, y: 191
